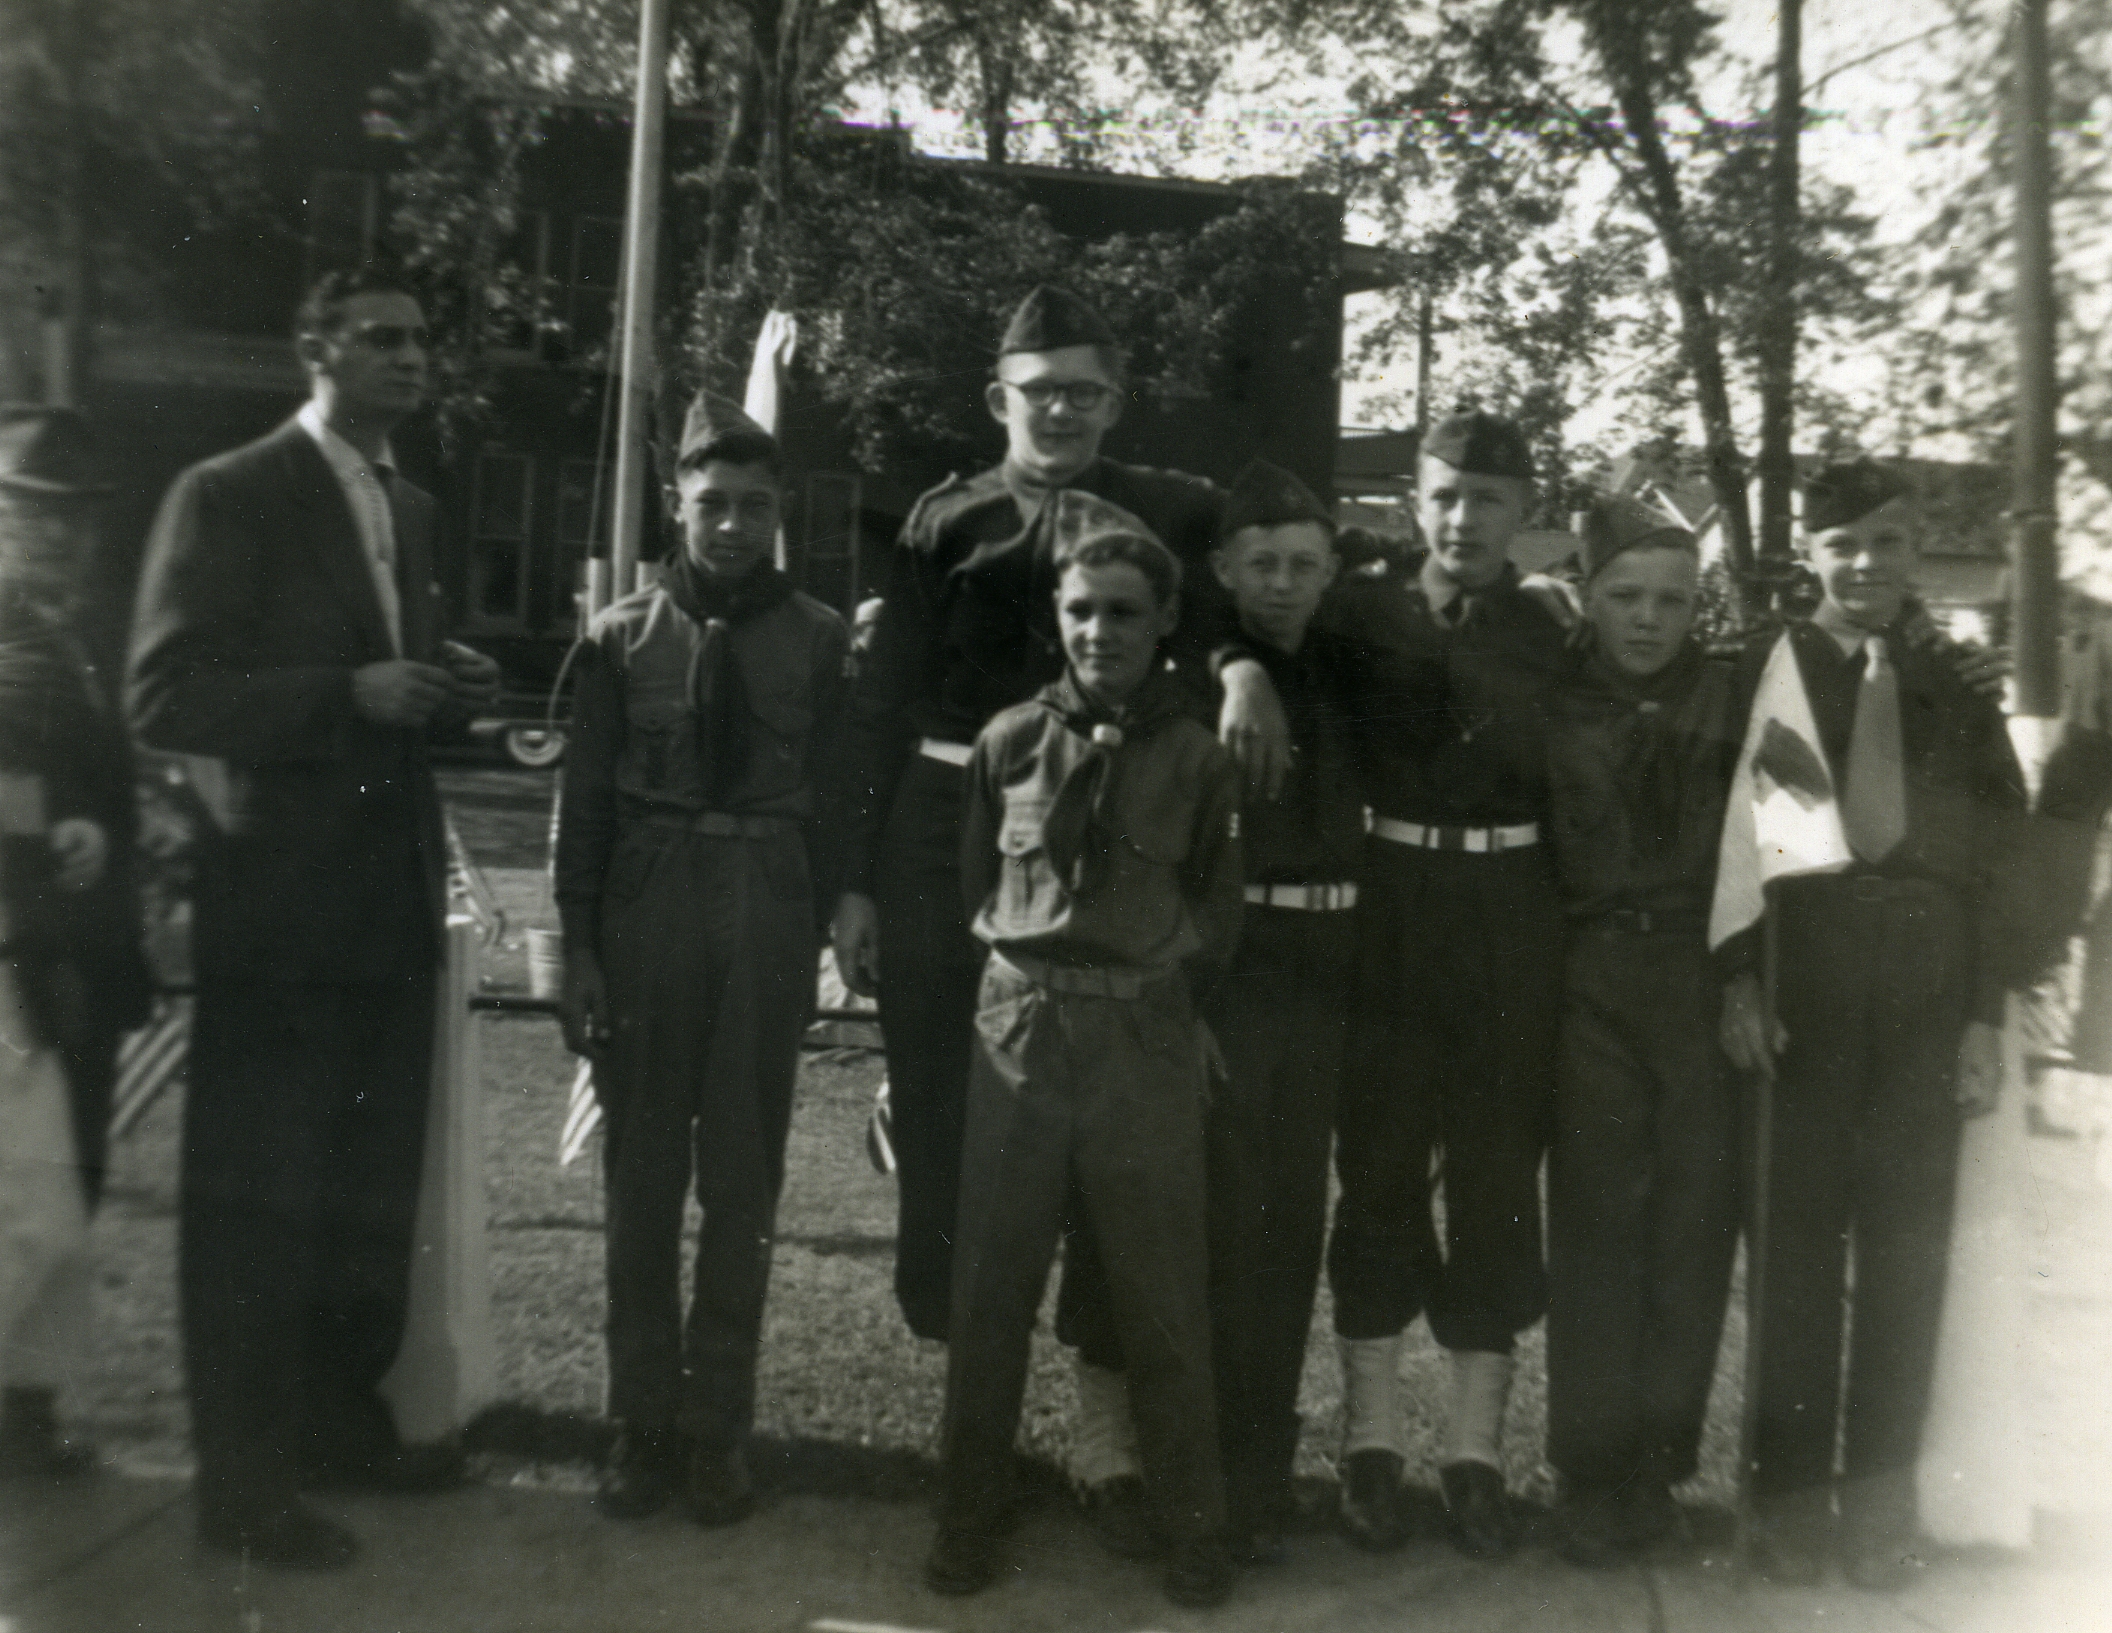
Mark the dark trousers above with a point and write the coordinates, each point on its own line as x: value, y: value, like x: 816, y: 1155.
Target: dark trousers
x: 91, y: 1083
x: 1642, y: 1208
x: 303, y: 1146
x: 929, y: 968
x: 1452, y: 1049
x: 709, y: 954
x: 1104, y: 1094
x: 1874, y: 994
x: 1281, y: 1019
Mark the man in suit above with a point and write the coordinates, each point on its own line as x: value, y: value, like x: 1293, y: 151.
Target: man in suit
x: 286, y: 628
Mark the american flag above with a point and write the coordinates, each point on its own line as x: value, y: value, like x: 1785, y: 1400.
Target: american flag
x: 148, y: 1061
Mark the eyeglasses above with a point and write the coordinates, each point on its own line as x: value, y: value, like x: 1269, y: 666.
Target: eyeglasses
x: 1082, y: 396
x: 392, y: 337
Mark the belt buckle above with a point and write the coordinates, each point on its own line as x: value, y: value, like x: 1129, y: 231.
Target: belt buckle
x: 1496, y: 842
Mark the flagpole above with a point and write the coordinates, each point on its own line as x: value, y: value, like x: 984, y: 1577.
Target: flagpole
x: 1762, y: 1124
x: 641, y: 244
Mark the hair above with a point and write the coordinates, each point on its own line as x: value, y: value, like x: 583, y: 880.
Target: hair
x: 737, y: 445
x: 1160, y: 566
x: 322, y: 309
x: 1113, y: 361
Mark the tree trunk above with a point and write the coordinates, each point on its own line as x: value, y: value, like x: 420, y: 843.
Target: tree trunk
x: 1697, y: 322
x: 67, y: 361
x: 1778, y: 328
x: 995, y: 73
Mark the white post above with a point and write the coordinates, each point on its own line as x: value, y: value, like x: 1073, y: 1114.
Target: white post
x: 641, y: 262
x: 447, y: 1369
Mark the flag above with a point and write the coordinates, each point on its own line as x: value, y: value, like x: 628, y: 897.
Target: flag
x: 148, y: 1061
x: 582, y: 1115
x: 1784, y: 815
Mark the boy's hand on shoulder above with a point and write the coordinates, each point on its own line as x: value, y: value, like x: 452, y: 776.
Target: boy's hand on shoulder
x: 1252, y: 725
x: 854, y: 933
x: 583, y: 1004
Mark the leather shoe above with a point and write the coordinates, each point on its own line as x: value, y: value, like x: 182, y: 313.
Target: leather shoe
x: 960, y: 1561
x: 1200, y: 1573
x: 1477, y: 1509
x: 1371, y: 1500
x: 720, y: 1490
x: 641, y: 1474
x: 1119, y: 1511
x: 295, y: 1536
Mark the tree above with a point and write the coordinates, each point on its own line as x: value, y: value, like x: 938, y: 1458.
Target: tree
x: 125, y: 126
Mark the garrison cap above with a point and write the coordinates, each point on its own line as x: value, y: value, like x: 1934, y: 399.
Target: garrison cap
x: 48, y: 453
x: 717, y: 427
x: 1617, y: 524
x: 1481, y: 444
x: 1076, y: 520
x: 1267, y: 495
x: 1847, y: 491
x: 1051, y: 318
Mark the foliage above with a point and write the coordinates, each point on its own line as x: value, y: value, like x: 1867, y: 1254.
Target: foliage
x: 126, y: 128
x: 901, y: 276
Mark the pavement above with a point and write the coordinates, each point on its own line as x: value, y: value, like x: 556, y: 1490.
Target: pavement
x: 117, y: 1553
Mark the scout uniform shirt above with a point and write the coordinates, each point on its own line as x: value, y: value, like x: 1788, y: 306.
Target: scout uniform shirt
x: 1638, y: 772
x: 1149, y: 878
x: 639, y: 754
x: 968, y: 625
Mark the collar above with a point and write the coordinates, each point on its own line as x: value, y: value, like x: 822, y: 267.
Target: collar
x: 340, y: 453
x: 1440, y: 590
x: 1849, y: 637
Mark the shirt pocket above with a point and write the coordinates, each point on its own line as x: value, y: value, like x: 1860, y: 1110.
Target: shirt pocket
x: 654, y: 728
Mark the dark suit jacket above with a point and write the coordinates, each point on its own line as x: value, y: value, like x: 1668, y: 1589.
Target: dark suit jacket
x: 255, y: 606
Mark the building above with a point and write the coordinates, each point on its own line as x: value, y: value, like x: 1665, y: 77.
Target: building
x: 528, y: 502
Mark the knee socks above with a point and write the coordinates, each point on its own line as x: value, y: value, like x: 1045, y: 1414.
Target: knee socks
x: 1480, y: 1391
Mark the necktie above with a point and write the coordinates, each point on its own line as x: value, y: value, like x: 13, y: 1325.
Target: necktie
x: 1874, y: 809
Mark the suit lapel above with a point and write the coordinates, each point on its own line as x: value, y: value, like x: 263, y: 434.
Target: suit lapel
x: 334, y: 535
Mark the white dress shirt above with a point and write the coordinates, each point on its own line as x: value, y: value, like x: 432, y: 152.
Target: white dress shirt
x: 366, y: 492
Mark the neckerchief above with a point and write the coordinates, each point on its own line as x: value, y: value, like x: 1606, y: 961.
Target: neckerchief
x: 1651, y: 777
x: 716, y: 690
x: 1083, y: 827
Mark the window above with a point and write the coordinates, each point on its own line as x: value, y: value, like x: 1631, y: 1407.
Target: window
x: 501, y: 508
x: 344, y: 216
x: 829, y: 564
x: 517, y: 295
x: 596, y: 264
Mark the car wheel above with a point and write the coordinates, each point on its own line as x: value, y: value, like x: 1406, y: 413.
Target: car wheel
x: 533, y: 746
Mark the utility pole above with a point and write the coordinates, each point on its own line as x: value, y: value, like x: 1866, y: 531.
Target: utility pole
x: 1778, y: 331
x: 2035, y: 575
x: 641, y: 265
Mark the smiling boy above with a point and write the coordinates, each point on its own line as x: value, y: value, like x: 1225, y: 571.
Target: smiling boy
x: 1890, y: 990
x: 1100, y: 863
x: 692, y: 861
x: 1642, y: 1186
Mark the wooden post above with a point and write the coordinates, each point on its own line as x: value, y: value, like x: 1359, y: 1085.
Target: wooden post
x: 641, y: 265
x: 1759, y: 1173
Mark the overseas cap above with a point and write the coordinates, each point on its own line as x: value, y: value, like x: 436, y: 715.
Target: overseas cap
x: 1838, y: 494
x: 1481, y: 444
x: 48, y: 451
x: 717, y: 427
x: 1051, y: 318
x: 1268, y: 496
x: 1076, y: 520
x: 1618, y: 524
